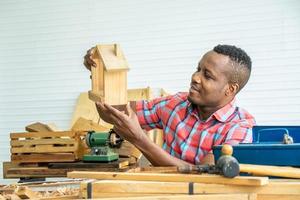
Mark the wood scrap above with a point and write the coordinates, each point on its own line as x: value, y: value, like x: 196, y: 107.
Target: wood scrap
x: 53, y: 127
x: 36, y: 127
x: 203, y: 178
x: 83, y: 124
x: 12, y: 197
x: 25, y: 193
x: 86, y: 109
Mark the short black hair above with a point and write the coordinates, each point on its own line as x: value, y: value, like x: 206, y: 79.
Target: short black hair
x: 241, y: 63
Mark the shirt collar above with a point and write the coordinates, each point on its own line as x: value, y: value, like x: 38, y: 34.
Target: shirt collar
x: 225, y: 112
x: 221, y: 115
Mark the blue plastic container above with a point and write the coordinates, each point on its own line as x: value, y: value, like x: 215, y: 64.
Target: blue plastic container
x: 267, y: 147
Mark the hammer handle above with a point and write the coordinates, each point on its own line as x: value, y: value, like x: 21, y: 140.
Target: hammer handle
x: 265, y: 170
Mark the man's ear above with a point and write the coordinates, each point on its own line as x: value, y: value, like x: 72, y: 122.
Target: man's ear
x: 232, y: 89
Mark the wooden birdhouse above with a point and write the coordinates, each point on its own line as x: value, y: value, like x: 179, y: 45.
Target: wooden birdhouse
x: 109, y: 77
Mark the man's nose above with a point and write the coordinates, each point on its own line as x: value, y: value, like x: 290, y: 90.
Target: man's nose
x: 196, y: 77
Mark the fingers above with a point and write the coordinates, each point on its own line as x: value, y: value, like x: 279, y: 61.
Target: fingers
x: 88, y: 60
x: 129, y: 111
x: 106, y: 115
x: 86, y: 65
x: 116, y: 113
x: 100, y: 106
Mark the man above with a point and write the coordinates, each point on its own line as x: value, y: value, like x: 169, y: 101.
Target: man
x: 193, y: 122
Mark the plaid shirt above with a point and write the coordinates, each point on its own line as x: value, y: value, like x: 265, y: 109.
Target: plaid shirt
x: 186, y: 136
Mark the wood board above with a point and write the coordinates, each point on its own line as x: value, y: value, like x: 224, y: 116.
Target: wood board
x: 203, y: 178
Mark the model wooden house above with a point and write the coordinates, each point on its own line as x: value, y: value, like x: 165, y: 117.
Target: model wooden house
x: 109, y: 77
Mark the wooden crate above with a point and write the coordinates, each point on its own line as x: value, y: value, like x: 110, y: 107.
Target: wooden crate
x: 40, y: 147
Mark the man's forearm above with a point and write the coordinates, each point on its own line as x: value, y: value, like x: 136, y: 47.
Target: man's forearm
x: 156, y: 155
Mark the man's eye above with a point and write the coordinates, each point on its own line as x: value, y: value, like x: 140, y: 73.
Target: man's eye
x: 207, y: 76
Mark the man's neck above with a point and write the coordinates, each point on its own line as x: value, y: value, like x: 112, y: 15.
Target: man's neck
x: 204, y: 112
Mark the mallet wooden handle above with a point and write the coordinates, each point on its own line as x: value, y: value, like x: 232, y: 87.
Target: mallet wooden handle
x: 265, y: 170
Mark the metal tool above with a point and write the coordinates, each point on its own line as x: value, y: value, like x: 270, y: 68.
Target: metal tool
x: 287, y: 139
x: 102, y: 144
x: 226, y: 165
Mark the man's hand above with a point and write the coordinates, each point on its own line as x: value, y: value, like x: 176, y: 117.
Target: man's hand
x: 125, y: 124
x: 88, y: 60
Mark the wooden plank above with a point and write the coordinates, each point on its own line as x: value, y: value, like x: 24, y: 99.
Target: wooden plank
x: 97, y: 79
x: 171, y: 169
x: 25, y: 172
x: 115, y: 87
x: 239, y: 180
x: 111, y: 60
x: 135, y: 95
x: 278, y: 197
x: 85, y: 108
x: 127, y: 150
x: 265, y: 170
x: 43, y: 134
x: 183, y: 197
x: 121, y: 163
x: 97, y: 92
x: 37, y: 127
x: 120, y: 188
x: 42, y: 158
x: 139, y: 94
x: 60, y: 197
x: 44, y: 149
x: 193, y: 197
x: 158, y: 137
x: 61, y: 141
x: 6, y: 166
x: 83, y: 124
x: 13, y: 170
x: 53, y: 127
x: 164, y: 93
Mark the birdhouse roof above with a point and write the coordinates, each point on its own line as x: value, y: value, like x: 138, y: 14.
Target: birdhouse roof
x: 112, y: 57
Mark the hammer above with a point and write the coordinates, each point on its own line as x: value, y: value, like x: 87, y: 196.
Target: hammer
x: 226, y: 165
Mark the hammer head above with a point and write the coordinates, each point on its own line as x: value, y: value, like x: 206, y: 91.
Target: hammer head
x: 228, y: 166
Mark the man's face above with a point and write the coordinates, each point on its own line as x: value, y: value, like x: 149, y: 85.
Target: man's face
x: 209, y: 82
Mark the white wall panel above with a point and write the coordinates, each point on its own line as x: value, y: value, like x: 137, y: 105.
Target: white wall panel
x: 42, y: 44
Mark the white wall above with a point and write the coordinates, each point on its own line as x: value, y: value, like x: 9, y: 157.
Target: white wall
x: 42, y: 44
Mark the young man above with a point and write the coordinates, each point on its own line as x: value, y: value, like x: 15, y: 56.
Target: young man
x: 195, y: 121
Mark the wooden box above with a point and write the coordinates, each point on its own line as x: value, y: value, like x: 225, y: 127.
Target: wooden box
x: 39, y: 147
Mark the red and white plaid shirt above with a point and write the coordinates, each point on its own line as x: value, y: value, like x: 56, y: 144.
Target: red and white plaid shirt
x: 186, y: 136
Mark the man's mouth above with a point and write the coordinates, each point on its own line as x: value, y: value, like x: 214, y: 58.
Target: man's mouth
x: 194, y: 88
